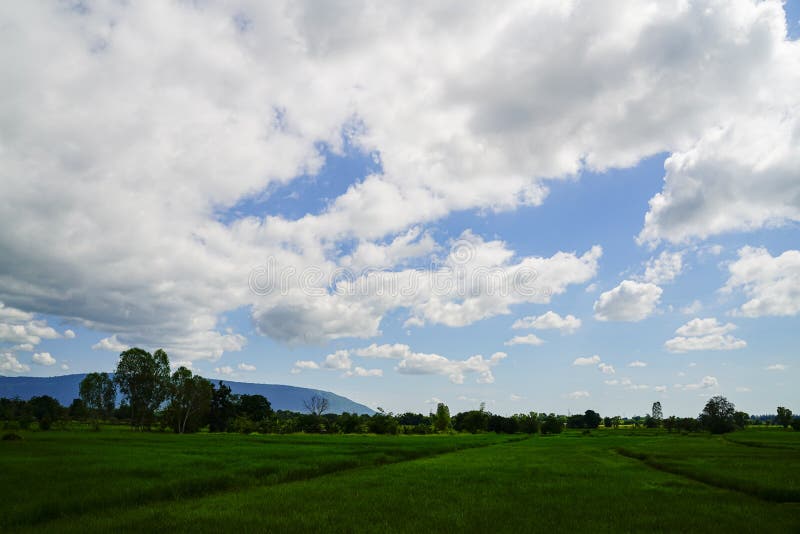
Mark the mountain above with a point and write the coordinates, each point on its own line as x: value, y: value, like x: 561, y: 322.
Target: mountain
x: 65, y: 388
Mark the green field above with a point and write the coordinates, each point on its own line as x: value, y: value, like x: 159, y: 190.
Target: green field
x: 609, y: 481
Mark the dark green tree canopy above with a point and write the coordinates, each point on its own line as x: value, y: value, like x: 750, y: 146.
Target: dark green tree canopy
x: 144, y: 379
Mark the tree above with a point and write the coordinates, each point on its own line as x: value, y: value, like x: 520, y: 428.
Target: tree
x: 442, y: 419
x: 656, y: 412
x: 784, y: 417
x: 255, y: 407
x: 551, y: 424
x: 190, y: 401
x: 223, y: 408
x: 317, y: 405
x: 717, y: 416
x: 741, y: 419
x: 98, y: 393
x: 591, y: 419
x: 46, y: 410
x: 144, y: 379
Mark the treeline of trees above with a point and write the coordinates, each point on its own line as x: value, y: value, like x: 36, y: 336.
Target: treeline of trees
x: 185, y: 403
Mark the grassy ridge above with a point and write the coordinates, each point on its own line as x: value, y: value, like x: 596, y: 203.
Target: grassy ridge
x: 567, y: 482
x: 56, y: 474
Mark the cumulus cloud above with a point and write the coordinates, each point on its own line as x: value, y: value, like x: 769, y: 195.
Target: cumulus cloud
x: 637, y: 363
x: 578, y: 395
x: 772, y: 283
x: 606, y: 369
x: 530, y: 339
x: 23, y: 330
x: 707, y: 382
x: 360, y: 371
x: 420, y: 363
x: 549, y: 320
x: 589, y: 360
x: 663, y: 269
x: 660, y: 389
x: 301, y: 365
x: 246, y: 367
x: 234, y: 110
x: 692, y: 308
x: 339, y: 360
x: 69, y: 334
x: 10, y: 364
x: 110, y: 343
x: 43, y: 358
x: 704, y: 334
x: 629, y: 301
x: 225, y: 370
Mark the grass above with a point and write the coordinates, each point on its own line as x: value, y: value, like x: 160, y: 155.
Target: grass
x: 125, y: 482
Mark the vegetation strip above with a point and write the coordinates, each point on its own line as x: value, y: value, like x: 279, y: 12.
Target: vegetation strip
x: 780, y: 496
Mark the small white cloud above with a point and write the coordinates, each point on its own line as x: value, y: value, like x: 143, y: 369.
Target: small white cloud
x: 225, y: 370
x: 776, y: 367
x: 360, y: 371
x: 43, y: 358
x: 692, y: 364
x: 612, y: 382
x: 743, y: 389
x: 110, y: 343
x: 638, y: 387
x: 530, y: 339
x: 712, y: 342
x: 23, y: 347
x: 578, y: 395
x: 707, y: 382
x: 69, y: 334
x: 606, y: 369
x: 589, y: 360
x: 591, y: 288
x: 301, y: 365
x: 663, y: 269
x: 339, y: 360
x: 704, y: 327
x: 64, y: 367
x: 660, y: 389
x: 177, y: 364
x: 549, y: 321
x: 10, y: 364
x: 629, y: 301
x: 516, y: 398
x: 694, y: 307
x: 246, y: 367
x: 637, y: 363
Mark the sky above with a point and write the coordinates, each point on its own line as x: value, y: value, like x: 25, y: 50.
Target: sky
x: 538, y: 206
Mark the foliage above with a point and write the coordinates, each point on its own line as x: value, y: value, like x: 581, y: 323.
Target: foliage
x: 190, y: 401
x: 317, y: 405
x: 551, y: 424
x: 718, y: 415
x: 98, y: 393
x: 144, y: 379
x: 442, y: 421
x: 784, y: 417
x: 657, y: 413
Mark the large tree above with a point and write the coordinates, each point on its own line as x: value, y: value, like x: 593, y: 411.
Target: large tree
x: 190, y: 401
x: 784, y: 417
x: 98, y: 393
x: 718, y: 415
x: 442, y: 421
x: 143, y: 378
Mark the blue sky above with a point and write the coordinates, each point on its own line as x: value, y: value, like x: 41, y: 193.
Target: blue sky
x: 653, y: 186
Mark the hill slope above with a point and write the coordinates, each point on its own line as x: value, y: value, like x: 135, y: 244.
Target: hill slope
x: 65, y: 388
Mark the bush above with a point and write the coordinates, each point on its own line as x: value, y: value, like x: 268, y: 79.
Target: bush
x: 796, y: 423
x: 11, y: 436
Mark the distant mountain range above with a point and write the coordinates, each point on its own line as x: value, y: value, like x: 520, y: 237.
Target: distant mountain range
x: 65, y: 388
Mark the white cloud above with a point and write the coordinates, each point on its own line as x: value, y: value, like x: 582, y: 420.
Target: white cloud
x: 225, y: 370
x: 638, y: 387
x: 743, y: 389
x: 692, y: 308
x: 707, y: 382
x: 704, y: 327
x: 64, y: 367
x: 22, y: 329
x: 663, y: 269
x: 177, y: 364
x: 360, y: 371
x: 530, y: 339
x: 301, y: 365
x: 704, y: 334
x: 43, y: 358
x: 10, y: 364
x: 589, y: 360
x: 233, y: 112
x: 591, y: 288
x: 637, y: 363
x: 110, y: 343
x: 629, y: 301
x: 712, y: 342
x: 578, y: 395
x: 776, y: 367
x: 660, y: 389
x: 69, y: 334
x: 612, y: 382
x: 771, y: 283
x: 339, y: 360
x: 246, y: 367
x: 549, y: 320
x: 606, y: 368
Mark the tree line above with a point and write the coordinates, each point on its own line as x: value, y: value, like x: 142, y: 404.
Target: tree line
x: 154, y: 397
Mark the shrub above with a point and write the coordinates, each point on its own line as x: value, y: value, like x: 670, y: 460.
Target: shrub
x: 11, y: 436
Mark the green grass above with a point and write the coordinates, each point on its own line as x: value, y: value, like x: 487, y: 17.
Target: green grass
x: 126, y: 482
